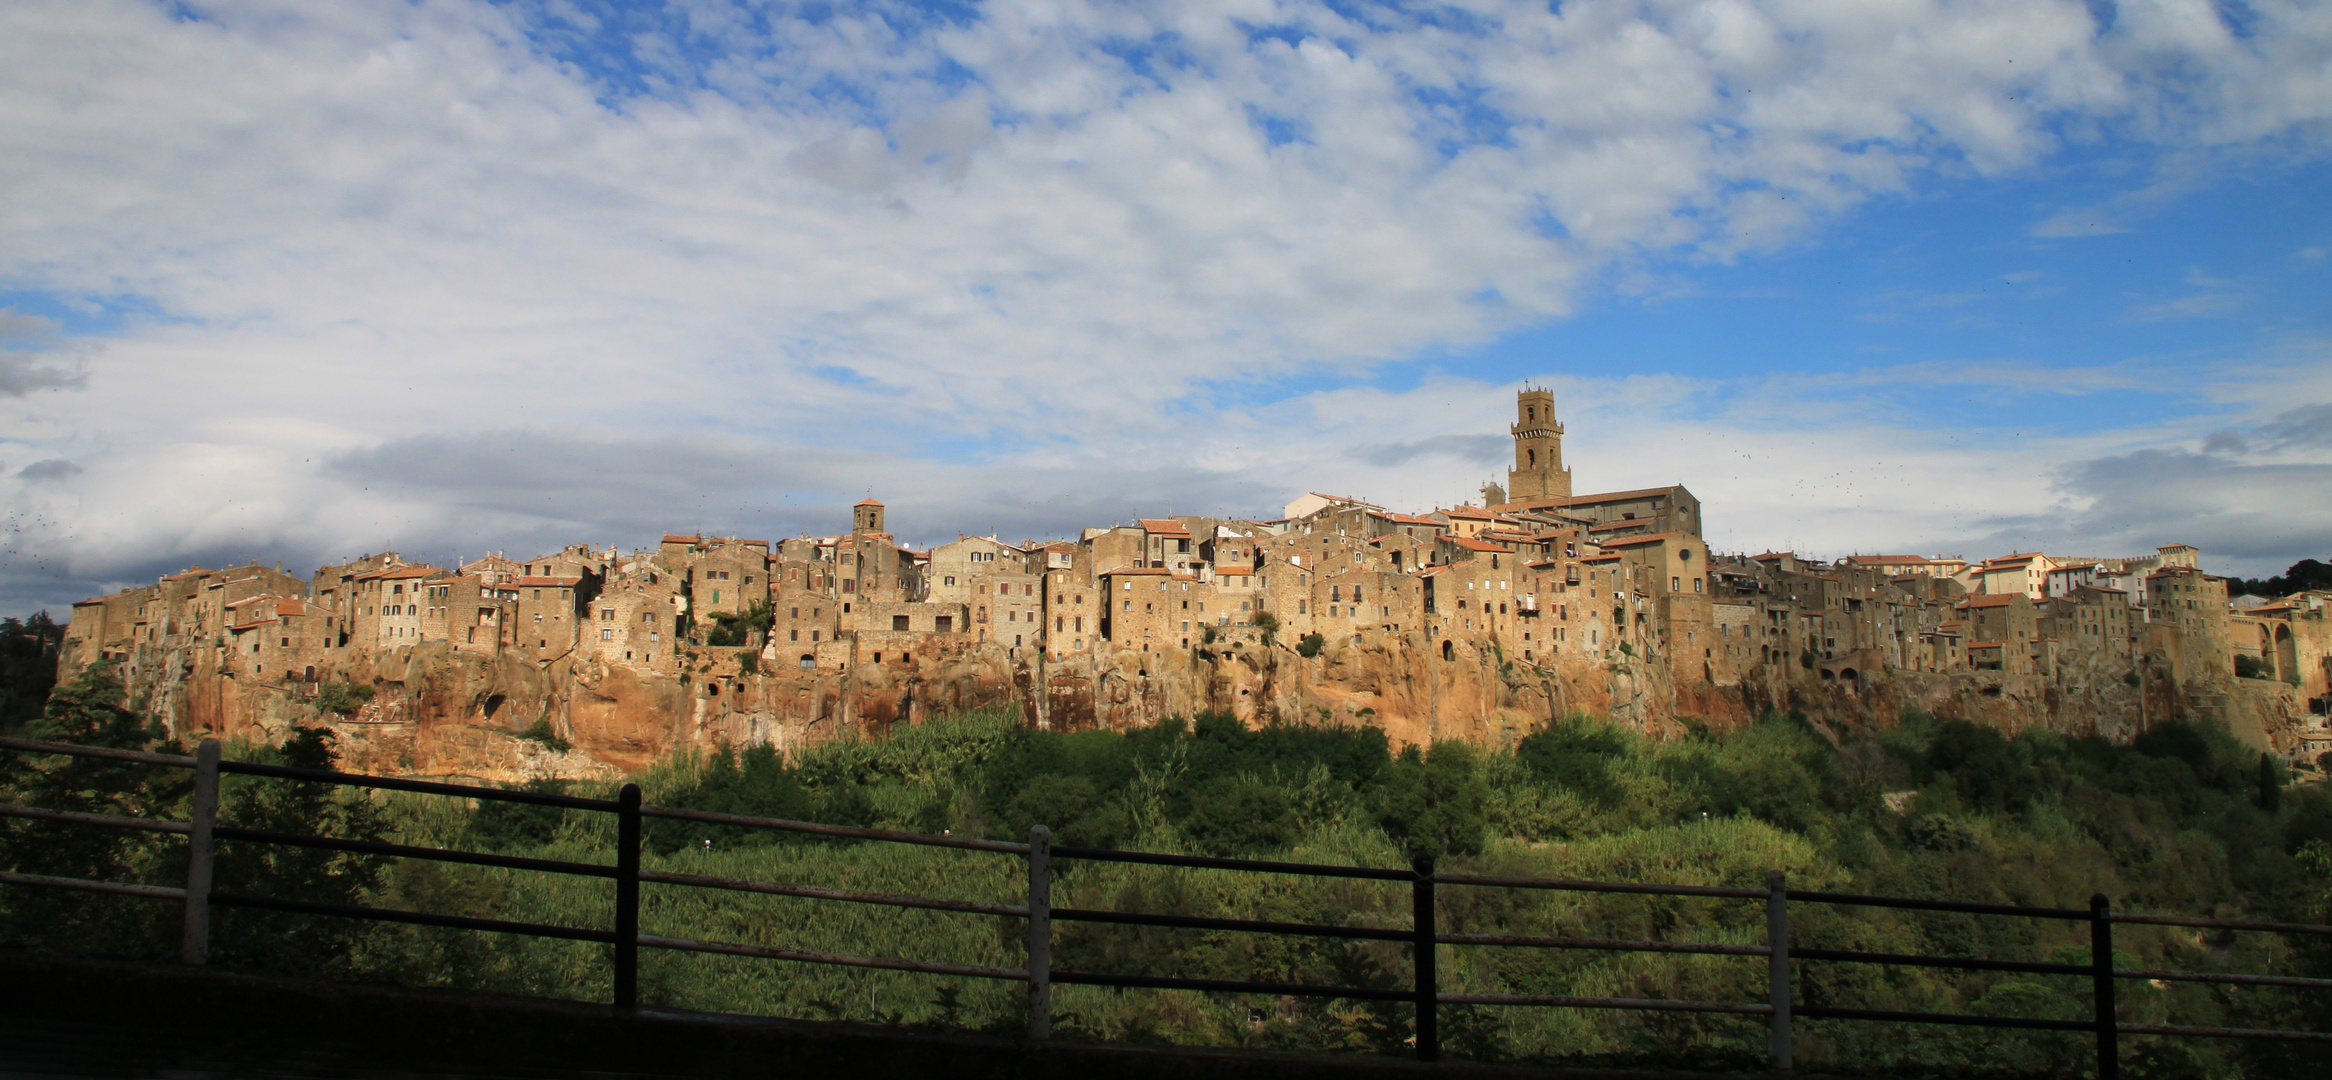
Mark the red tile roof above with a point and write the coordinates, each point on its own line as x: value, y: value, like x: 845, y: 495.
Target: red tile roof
x: 399, y: 573
x: 1639, y: 541
x: 542, y: 582
x: 1472, y: 544
x: 1619, y: 496
x: 1164, y: 525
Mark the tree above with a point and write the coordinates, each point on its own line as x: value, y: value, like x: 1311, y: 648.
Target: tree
x: 90, y: 710
x: 2270, y: 798
x: 2304, y: 574
x: 1434, y: 802
x: 287, y: 941
x: 28, y: 667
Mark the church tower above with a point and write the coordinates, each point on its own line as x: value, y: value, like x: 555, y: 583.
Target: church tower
x: 866, y: 517
x: 1538, y: 472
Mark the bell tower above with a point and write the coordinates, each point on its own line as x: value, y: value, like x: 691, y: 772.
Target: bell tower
x: 866, y: 517
x: 1538, y: 471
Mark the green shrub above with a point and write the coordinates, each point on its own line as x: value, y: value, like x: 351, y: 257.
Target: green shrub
x: 541, y: 731
x: 1310, y: 645
x: 342, y: 698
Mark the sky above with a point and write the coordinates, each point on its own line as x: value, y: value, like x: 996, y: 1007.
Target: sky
x: 295, y: 282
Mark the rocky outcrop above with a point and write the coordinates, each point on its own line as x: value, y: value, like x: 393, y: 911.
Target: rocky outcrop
x: 441, y: 712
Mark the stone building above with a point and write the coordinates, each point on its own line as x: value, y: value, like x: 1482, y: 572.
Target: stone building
x: 1539, y: 476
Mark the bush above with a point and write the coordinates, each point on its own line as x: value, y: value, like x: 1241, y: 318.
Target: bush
x: 741, y: 628
x: 342, y: 698
x: 1310, y: 645
x: 1268, y: 623
x: 541, y: 731
x: 2252, y: 667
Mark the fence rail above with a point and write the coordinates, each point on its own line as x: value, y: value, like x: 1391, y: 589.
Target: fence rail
x: 1423, y: 935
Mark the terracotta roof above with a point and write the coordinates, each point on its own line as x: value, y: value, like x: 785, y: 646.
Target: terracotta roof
x: 1164, y: 525
x: 1987, y: 645
x: 676, y: 538
x: 1639, y: 541
x: 1886, y: 560
x: 1772, y: 555
x: 1159, y: 571
x: 867, y: 502
x: 252, y: 625
x: 1470, y: 513
x: 399, y: 573
x: 1472, y: 544
x: 542, y: 582
x: 1618, y: 496
x: 1993, y: 600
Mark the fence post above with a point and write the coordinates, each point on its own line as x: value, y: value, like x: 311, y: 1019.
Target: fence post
x: 1423, y: 947
x: 1777, y: 965
x: 2101, y: 987
x: 1040, y: 933
x: 627, y: 898
x: 202, y: 815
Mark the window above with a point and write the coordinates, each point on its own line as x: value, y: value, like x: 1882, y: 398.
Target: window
x: 943, y: 623
x: 607, y: 635
x: 898, y: 622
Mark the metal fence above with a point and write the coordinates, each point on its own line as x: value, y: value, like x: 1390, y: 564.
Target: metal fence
x: 1422, y: 935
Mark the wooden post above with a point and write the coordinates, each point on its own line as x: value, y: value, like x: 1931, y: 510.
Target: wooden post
x: 627, y: 898
x: 1777, y: 965
x: 1423, y: 955
x: 2101, y: 987
x: 202, y: 815
x: 1040, y: 933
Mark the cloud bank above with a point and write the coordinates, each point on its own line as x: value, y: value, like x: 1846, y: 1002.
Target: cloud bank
x: 449, y: 274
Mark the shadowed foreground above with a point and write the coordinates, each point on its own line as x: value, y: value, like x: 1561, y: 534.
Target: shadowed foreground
x: 78, y: 1018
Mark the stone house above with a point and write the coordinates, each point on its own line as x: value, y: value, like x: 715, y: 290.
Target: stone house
x: 2003, y: 631
x: 549, y: 615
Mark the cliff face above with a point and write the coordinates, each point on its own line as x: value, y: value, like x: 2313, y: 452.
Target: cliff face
x: 440, y: 712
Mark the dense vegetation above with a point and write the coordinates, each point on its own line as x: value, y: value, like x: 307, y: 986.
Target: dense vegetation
x: 28, y: 667
x: 2304, y: 574
x: 2185, y: 820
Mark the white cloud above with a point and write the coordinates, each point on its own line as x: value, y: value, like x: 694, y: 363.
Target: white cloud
x: 376, y: 227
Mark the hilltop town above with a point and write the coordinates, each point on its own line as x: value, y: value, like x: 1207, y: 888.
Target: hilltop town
x: 1474, y: 622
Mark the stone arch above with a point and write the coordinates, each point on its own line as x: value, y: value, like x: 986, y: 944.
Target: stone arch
x: 1448, y: 650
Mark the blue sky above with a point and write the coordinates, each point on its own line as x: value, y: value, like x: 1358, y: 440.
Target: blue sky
x: 296, y: 282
